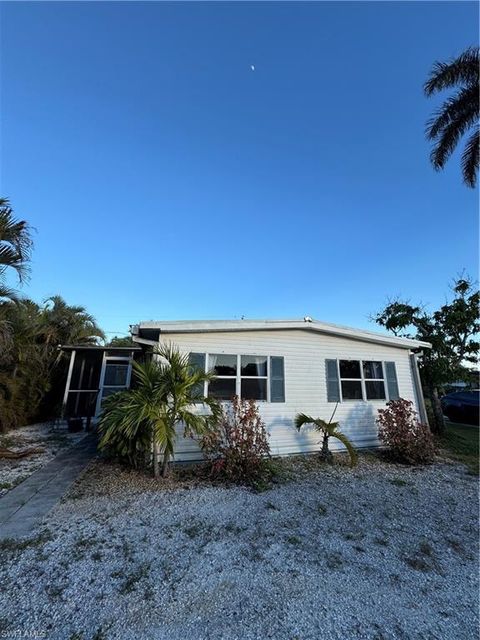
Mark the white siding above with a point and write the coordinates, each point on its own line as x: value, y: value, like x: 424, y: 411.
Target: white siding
x: 305, y: 384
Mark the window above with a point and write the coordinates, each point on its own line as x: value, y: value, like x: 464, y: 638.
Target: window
x: 224, y: 387
x: 374, y: 383
x: 249, y: 376
x: 351, y: 380
x: 254, y: 377
x: 116, y: 375
x: 362, y: 380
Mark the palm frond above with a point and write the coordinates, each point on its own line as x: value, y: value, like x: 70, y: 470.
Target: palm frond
x: 464, y: 69
x: 329, y: 429
x: 301, y: 419
x: 470, y: 159
x: 348, y: 445
x: 464, y: 105
x: 15, y: 241
x: 448, y: 139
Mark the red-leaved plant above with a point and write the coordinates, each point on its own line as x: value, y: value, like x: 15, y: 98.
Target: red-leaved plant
x: 400, y: 430
x: 238, y: 447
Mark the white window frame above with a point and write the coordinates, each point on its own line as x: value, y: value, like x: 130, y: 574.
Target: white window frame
x: 362, y: 381
x: 207, y: 368
x: 266, y: 378
x: 238, y: 377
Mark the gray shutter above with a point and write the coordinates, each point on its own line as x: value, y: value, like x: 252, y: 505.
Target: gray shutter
x: 197, y: 361
x: 333, y: 385
x: 277, y: 379
x: 392, y: 383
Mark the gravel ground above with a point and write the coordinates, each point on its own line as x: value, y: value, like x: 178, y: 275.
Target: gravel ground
x: 382, y: 551
x: 12, y: 472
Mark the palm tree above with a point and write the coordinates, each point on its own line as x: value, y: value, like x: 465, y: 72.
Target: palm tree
x: 32, y: 368
x: 458, y: 115
x: 66, y: 324
x: 328, y: 430
x: 145, y: 417
x: 15, y: 247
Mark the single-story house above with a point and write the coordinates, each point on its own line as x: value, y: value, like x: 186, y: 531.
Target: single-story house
x: 292, y: 366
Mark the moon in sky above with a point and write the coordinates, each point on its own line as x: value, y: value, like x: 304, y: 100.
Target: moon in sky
x: 252, y: 67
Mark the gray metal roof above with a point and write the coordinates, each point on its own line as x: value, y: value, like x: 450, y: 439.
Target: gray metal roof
x: 96, y: 347
x: 305, y: 324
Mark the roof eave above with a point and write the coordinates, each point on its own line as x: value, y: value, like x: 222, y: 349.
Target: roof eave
x: 237, y: 326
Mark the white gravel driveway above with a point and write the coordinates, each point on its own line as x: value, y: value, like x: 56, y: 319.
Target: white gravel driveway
x: 379, y: 552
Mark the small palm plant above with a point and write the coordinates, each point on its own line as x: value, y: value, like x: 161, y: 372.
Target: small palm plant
x: 144, y: 419
x: 328, y: 430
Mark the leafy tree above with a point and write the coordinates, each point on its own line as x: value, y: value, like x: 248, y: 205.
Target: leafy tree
x: 121, y: 341
x: 459, y: 114
x: 328, y: 430
x: 145, y: 417
x: 452, y: 331
x: 32, y: 368
x: 15, y: 247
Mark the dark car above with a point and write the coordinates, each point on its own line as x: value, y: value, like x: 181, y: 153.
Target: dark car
x: 462, y: 406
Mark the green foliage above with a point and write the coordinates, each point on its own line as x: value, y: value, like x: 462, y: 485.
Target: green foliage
x: 32, y: 368
x: 452, y: 331
x: 462, y: 443
x: 120, y: 341
x: 163, y: 395
x: 328, y: 430
x: 15, y: 247
x: 458, y: 115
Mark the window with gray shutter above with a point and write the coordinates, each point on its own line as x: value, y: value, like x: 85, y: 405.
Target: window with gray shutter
x: 277, y: 379
x: 333, y: 387
x: 197, y: 361
x: 392, y: 382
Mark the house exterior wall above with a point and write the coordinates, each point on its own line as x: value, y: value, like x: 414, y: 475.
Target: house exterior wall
x: 304, y: 355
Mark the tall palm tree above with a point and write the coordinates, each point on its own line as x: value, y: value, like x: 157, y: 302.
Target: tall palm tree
x: 458, y: 115
x: 145, y: 417
x: 15, y: 247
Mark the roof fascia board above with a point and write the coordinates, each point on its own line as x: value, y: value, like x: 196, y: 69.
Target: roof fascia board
x: 318, y: 327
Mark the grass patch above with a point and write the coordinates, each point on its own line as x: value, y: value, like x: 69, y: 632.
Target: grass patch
x: 400, y: 482
x: 423, y: 559
x: 273, y: 507
x: 335, y: 560
x: 14, y: 544
x: 133, y: 578
x: 8, y: 441
x: 462, y: 444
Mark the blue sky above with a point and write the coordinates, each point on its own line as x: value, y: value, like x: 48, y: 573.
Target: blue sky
x: 167, y: 180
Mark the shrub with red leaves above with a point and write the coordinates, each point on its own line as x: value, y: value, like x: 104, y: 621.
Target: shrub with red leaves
x: 238, y: 448
x: 400, y: 430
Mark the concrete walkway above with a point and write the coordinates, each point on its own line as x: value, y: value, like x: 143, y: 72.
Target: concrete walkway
x: 22, y: 508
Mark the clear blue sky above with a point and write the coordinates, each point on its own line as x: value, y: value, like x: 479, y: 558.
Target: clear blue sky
x: 167, y: 180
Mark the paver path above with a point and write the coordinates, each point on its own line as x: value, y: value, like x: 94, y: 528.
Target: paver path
x: 22, y: 508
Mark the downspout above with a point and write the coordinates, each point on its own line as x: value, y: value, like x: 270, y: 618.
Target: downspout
x: 417, y: 385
